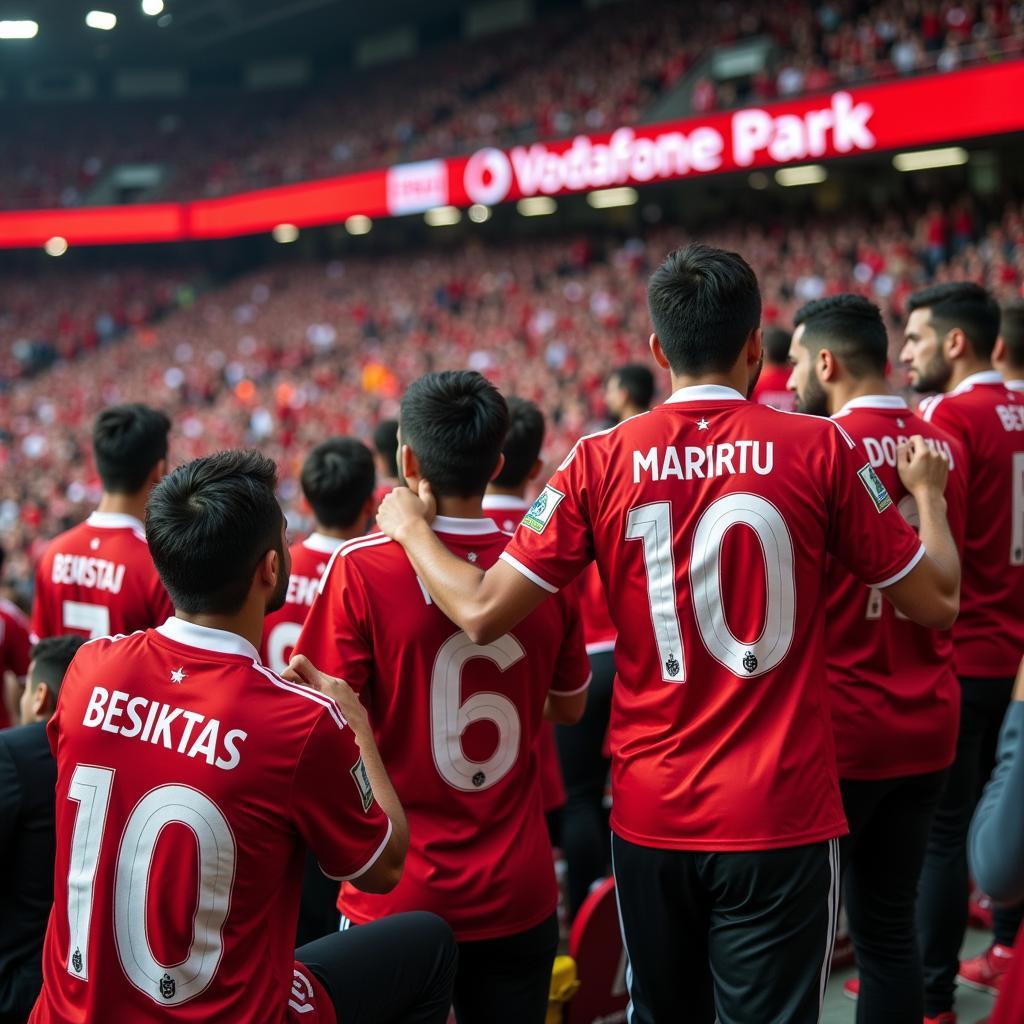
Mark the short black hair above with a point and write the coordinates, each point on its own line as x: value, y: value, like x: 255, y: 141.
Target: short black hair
x: 775, y: 340
x: 849, y: 325
x: 964, y: 305
x: 51, y: 657
x: 385, y: 442
x: 638, y: 383
x: 337, y: 479
x: 208, y: 524
x: 523, y: 442
x: 128, y: 441
x: 455, y: 422
x: 1011, y: 330
x: 704, y: 303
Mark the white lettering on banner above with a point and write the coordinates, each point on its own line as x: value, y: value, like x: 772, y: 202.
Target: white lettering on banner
x: 490, y: 173
x: 413, y: 188
x: 792, y: 137
x: 704, y: 463
x: 84, y: 571
x: 104, y: 709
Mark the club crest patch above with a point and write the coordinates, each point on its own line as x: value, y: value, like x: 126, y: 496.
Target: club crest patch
x: 362, y: 781
x: 870, y: 479
x: 540, y: 512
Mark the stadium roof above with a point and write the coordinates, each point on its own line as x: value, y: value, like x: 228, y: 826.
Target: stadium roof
x: 209, y: 32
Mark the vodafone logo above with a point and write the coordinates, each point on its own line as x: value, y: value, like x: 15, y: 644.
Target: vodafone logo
x: 488, y: 176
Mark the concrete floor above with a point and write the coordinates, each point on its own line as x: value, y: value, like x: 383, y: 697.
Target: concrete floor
x: 971, y: 1006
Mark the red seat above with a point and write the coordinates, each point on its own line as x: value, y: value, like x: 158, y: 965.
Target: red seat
x: 595, y: 943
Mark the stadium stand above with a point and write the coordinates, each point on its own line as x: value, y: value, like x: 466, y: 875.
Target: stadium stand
x: 462, y: 95
x: 286, y: 355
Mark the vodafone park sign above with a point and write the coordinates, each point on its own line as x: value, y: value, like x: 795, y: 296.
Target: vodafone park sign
x: 837, y: 127
x: 906, y: 114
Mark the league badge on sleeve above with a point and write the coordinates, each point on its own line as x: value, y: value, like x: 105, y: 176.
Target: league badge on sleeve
x: 362, y: 781
x: 540, y: 512
x: 870, y: 479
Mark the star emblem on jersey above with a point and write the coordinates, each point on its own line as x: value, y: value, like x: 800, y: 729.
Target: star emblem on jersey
x: 76, y: 961
x: 750, y: 661
x: 321, y: 568
x: 167, y: 986
x: 179, y: 675
x: 94, y: 543
x: 900, y: 423
x: 472, y: 556
x: 672, y: 665
x: 702, y: 424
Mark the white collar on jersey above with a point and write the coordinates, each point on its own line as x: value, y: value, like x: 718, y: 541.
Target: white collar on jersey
x: 324, y: 544
x: 115, y: 521
x: 496, y: 502
x: 1015, y: 385
x: 706, y: 393
x: 874, y: 402
x: 984, y: 377
x: 466, y: 527
x: 205, y: 638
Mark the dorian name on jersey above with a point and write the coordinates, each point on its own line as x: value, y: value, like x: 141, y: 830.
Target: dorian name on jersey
x: 152, y: 721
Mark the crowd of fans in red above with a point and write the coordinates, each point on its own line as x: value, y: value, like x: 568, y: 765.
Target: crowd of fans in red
x: 288, y: 355
x: 598, y: 69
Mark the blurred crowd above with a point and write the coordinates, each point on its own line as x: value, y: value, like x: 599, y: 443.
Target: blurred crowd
x: 578, y: 71
x: 283, y: 357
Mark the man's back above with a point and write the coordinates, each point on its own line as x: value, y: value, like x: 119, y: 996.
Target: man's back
x: 98, y: 579
x: 895, y: 699
x: 709, y: 519
x: 457, y: 725
x: 281, y: 628
x: 27, y: 776
x: 988, y: 419
x: 188, y: 778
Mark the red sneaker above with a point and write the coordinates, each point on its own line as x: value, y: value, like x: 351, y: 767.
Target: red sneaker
x: 851, y: 988
x: 979, y: 911
x: 949, y: 1017
x: 986, y: 971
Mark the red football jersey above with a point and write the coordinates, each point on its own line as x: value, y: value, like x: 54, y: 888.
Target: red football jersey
x: 15, y: 648
x: 457, y: 726
x: 505, y: 511
x: 988, y: 420
x: 281, y: 628
x: 713, y: 516
x: 771, y: 389
x: 190, y: 780
x: 895, y: 697
x: 598, y: 629
x: 98, y: 579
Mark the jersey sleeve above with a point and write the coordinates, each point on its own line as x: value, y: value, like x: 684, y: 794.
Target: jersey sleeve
x: 572, y: 669
x: 333, y: 805
x: 866, y: 532
x: 553, y: 543
x: 335, y: 634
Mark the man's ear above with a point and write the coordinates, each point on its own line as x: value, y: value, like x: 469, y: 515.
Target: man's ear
x: 535, y: 472
x: 658, y: 352
x: 156, y: 474
x: 754, y: 347
x: 499, y: 466
x: 826, y: 366
x: 41, y: 700
x: 999, y: 352
x: 269, y: 569
x: 955, y: 344
x: 409, y: 464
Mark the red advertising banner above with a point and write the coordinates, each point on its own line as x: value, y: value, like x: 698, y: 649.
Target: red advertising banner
x: 917, y: 112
